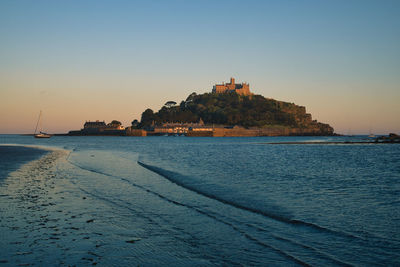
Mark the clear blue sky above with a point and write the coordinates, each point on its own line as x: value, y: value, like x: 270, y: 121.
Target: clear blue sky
x: 87, y: 60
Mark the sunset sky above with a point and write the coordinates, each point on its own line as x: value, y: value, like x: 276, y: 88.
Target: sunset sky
x: 105, y: 60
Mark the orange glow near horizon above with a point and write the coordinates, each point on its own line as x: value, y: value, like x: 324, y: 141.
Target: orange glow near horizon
x: 79, y: 63
x: 67, y: 109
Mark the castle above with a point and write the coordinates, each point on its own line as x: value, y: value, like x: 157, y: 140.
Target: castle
x: 241, y: 89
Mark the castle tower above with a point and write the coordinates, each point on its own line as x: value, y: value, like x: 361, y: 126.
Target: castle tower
x: 241, y: 89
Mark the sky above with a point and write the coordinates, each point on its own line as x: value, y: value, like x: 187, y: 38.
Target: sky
x: 104, y: 60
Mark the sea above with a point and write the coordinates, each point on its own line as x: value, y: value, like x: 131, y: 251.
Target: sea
x: 198, y: 201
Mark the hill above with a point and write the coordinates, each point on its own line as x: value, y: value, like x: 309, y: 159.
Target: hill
x: 232, y: 109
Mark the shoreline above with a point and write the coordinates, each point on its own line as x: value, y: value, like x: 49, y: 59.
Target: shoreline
x: 201, y: 134
x: 28, y: 195
x: 13, y: 157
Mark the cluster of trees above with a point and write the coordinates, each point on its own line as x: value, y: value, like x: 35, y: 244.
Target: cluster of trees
x: 115, y: 122
x: 227, y: 109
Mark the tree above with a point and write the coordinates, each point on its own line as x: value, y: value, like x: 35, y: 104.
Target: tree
x: 148, y: 117
x: 170, y: 104
x: 135, y: 124
x: 229, y: 109
x: 182, y: 105
x: 191, y: 97
x: 116, y: 122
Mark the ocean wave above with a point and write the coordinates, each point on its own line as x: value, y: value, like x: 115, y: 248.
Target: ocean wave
x: 269, y: 212
x: 215, y: 217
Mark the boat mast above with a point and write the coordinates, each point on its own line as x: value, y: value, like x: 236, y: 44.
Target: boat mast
x: 40, y: 114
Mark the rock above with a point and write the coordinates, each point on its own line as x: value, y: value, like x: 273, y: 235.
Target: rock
x: 132, y: 240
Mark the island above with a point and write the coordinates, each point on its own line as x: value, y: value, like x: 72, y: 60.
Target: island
x: 230, y: 109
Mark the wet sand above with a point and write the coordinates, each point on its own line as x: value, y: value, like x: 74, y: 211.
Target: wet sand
x: 38, y: 225
x: 13, y: 156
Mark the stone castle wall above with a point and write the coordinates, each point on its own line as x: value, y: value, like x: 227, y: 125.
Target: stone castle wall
x: 241, y: 89
x: 135, y: 132
x: 273, y: 131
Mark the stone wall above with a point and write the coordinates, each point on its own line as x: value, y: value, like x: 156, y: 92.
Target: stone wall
x: 273, y: 131
x: 135, y: 132
x: 200, y: 133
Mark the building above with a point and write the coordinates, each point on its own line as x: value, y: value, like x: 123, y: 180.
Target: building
x: 241, y: 89
x: 181, y: 128
x: 100, y: 128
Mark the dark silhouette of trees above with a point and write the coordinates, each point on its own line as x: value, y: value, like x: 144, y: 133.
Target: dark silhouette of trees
x: 135, y: 124
x: 114, y: 122
x: 228, y: 109
x: 148, y: 117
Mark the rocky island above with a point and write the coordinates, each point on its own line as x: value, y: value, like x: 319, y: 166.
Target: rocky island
x: 230, y: 109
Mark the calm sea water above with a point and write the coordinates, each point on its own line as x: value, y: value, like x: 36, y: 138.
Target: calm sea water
x: 201, y: 201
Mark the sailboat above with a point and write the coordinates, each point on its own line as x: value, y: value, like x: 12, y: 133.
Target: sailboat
x: 40, y: 134
x: 371, y: 135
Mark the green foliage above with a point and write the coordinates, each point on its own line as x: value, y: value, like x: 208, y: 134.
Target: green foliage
x: 228, y: 109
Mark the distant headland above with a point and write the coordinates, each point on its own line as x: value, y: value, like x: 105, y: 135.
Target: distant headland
x: 230, y: 109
